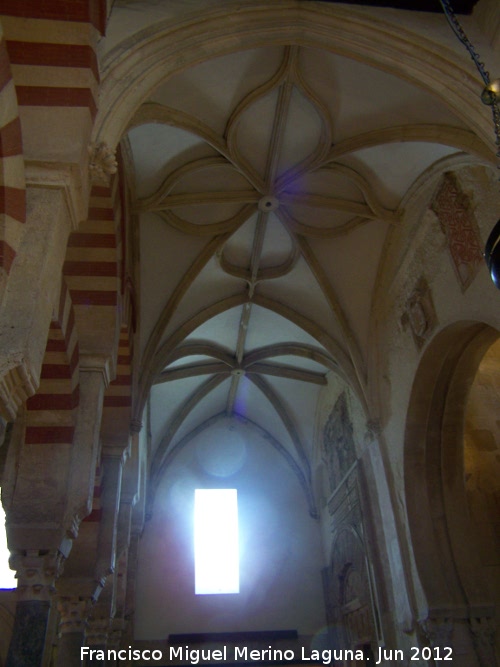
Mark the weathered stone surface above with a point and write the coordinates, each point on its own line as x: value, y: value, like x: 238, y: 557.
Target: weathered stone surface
x: 28, y: 638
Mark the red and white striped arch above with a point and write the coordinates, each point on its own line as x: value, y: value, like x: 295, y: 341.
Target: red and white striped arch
x: 93, y: 258
x: 51, y: 412
x: 94, y: 271
x: 117, y: 412
x: 12, y: 184
x: 54, y: 63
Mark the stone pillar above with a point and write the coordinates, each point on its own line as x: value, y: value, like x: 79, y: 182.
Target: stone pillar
x: 94, y: 379
x: 97, y: 634
x: 137, y: 519
x: 128, y: 499
x: 73, y: 620
x: 37, y: 572
x: 132, y: 561
x: 79, y: 590
x: 113, y: 456
x: 115, y: 634
x: 32, y: 291
x: 112, y: 464
x: 68, y: 649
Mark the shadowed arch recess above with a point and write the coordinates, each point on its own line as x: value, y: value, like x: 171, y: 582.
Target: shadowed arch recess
x: 443, y: 538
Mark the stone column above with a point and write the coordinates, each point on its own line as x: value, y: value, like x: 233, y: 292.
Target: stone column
x: 115, y: 634
x: 132, y: 566
x: 113, y: 456
x: 128, y: 499
x: 73, y: 620
x: 78, y: 591
x: 137, y: 520
x: 37, y: 572
x: 97, y: 634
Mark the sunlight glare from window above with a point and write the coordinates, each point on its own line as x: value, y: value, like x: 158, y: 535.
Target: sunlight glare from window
x: 216, y: 552
x: 7, y: 576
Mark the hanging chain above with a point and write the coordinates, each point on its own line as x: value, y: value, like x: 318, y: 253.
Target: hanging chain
x: 489, y: 96
x: 460, y: 33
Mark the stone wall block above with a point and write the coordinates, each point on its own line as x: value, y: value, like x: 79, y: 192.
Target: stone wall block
x: 30, y: 297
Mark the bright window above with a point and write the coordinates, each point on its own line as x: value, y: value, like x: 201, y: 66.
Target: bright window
x: 216, y: 552
x: 7, y: 576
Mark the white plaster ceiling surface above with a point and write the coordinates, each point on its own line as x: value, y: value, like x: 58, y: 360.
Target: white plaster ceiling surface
x: 268, y: 184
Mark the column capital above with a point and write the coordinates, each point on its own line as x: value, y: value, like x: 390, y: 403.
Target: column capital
x: 135, y: 426
x: 74, y: 612
x: 115, y: 449
x: 37, y: 571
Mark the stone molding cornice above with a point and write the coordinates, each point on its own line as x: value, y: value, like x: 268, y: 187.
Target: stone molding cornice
x: 96, y: 363
x: 17, y: 384
x: 116, y: 449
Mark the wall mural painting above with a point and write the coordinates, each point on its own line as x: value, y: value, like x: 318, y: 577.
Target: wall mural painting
x: 419, y: 314
x: 455, y: 213
x: 351, y: 615
x: 339, y: 452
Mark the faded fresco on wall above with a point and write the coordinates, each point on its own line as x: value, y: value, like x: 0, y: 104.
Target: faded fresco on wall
x: 338, y: 442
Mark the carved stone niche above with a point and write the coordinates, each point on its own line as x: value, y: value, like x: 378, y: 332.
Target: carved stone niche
x: 420, y: 314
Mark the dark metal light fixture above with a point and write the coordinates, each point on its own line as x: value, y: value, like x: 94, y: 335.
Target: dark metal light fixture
x: 492, y: 254
x: 491, y: 97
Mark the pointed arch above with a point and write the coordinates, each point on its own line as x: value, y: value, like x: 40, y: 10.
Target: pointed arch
x: 221, y: 31
x: 443, y: 537
x: 51, y: 412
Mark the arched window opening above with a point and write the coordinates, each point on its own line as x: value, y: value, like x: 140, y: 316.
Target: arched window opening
x: 216, y: 541
x: 451, y: 473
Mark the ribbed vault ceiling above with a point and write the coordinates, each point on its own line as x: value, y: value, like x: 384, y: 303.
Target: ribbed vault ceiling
x: 269, y: 184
